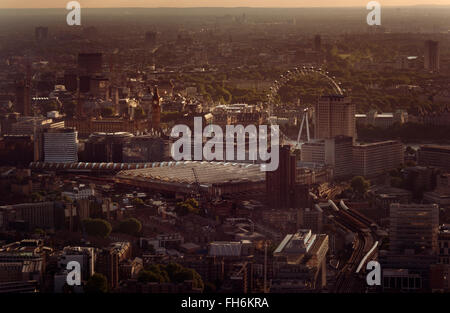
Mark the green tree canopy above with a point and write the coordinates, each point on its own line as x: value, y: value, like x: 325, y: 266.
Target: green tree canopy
x: 130, y: 226
x: 149, y: 277
x: 360, y: 185
x: 189, y: 206
x: 97, y: 227
x: 97, y: 283
x: 137, y: 201
x: 172, y: 272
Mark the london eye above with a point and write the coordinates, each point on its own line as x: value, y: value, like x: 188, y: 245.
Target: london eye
x: 304, y: 72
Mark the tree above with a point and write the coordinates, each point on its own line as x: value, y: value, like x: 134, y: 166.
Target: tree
x: 139, y: 113
x: 37, y: 197
x: 130, y: 226
x: 360, y: 185
x: 172, y: 272
x: 410, y: 150
x: 137, y: 201
x: 149, y: 276
x: 97, y: 283
x: 51, y: 106
x: 97, y: 227
x: 186, y: 207
x: 192, y: 202
x: 39, y: 231
x: 209, y: 287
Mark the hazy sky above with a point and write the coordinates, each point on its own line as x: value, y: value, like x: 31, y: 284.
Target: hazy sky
x: 209, y: 3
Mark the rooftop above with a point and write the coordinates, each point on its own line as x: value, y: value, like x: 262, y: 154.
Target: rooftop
x: 208, y: 173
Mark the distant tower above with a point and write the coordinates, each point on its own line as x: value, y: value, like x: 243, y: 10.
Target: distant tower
x: 156, y: 109
x: 150, y: 38
x: 317, y: 43
x: 23, y: 93
x: 41, y: 33
x: 431, y: 61
x: 27, y: 100
x: 19, y: 104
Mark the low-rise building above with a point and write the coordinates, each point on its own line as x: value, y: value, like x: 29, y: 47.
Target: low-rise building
x: 376, y: 158
x: 299, y: 262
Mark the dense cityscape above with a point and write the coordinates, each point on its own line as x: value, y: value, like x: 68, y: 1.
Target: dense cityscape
x: 88, y: 174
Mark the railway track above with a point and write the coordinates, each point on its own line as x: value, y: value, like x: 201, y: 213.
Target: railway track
x: 360, y: 225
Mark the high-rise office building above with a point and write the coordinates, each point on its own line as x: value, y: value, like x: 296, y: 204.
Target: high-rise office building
x: 108, y: 264
x: 317, y: 43
x: 90, y: 63
x: 279, y: 182
x: 434, y: 155
x: 283, y: 191
x: 336, y: 152
x: 41, y: 33
x: 310, y: 218
x: 334, y: 116
x: 150, y: 37
x: 414, y: 228
x: 70, y: 81
x: 23, y: 93
x: 413, y: 247
x: 313, y: 152
x: 444, y: 246
x: 83, y: 255
x: 339, y: 154
x: 19, y: 104
x: 60, y: 145
x: 106, y: 147
x: 432, y: 58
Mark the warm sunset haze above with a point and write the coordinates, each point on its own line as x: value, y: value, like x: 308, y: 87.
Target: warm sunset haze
x: 225, y: 152
x: 214, y: 3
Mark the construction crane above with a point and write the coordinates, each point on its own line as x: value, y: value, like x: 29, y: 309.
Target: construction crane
x: 196, y: 183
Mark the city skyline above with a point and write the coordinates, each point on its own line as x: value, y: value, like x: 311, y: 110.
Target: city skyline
x: 135, y: 158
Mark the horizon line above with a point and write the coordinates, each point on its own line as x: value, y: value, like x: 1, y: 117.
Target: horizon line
x: 232, y: 7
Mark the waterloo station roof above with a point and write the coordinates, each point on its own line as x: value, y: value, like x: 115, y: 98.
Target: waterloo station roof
x: 208, y: 173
